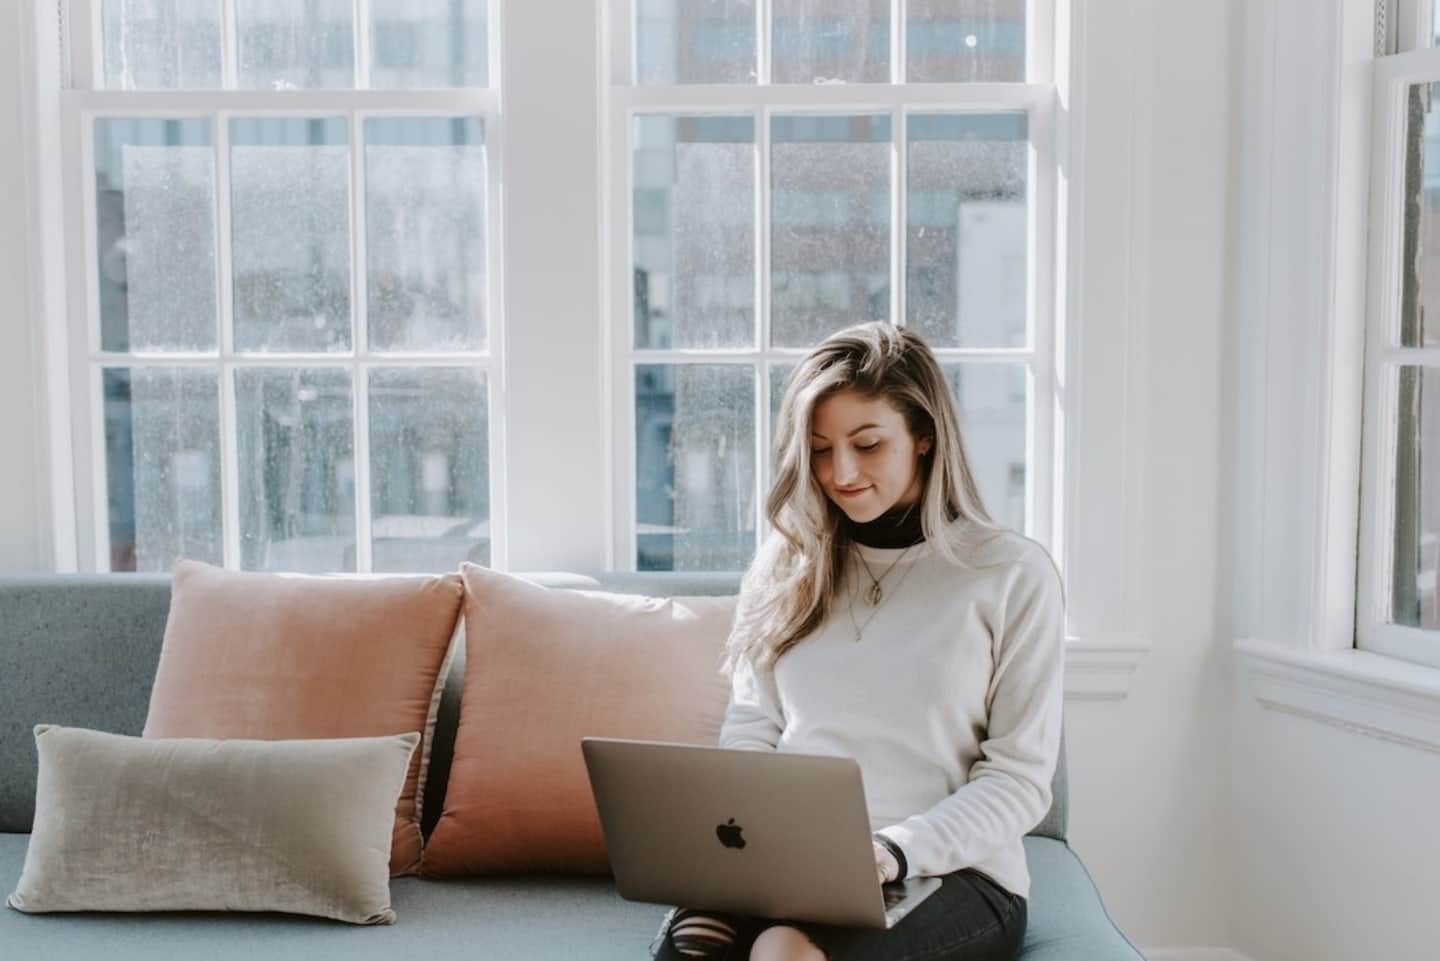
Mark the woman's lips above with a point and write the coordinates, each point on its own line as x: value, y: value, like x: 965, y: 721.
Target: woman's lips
x: 851, y: 493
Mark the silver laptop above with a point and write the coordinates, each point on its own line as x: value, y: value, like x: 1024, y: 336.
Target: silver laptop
x: 768, y: 834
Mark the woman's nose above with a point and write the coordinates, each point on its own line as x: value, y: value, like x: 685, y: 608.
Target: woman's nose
x: 845, y: 469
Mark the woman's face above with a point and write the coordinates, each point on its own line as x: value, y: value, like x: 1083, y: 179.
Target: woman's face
x: 863, y: 455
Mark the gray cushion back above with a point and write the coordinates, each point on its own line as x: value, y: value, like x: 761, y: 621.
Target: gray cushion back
x: 81, y: 650
x: 78, y: 650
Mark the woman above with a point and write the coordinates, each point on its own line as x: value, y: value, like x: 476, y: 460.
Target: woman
x: 890, y: 620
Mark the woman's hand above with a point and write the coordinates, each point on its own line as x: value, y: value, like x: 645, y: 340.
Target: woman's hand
x: 886, y: 866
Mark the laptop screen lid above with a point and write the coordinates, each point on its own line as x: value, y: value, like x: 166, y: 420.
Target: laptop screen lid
x: 762, y: 833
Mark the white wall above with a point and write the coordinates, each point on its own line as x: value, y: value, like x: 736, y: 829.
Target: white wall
x: 1336, y: 856
x: 24, y: 526
x: 1149, y: 773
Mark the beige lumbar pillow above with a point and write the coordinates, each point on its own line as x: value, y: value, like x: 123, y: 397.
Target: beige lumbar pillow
x: 192, y: 824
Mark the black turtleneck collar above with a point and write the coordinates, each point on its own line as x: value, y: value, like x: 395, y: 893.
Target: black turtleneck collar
x: 897, y: 527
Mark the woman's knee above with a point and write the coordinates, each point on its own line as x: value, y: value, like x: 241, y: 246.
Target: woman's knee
x: 782, y: 943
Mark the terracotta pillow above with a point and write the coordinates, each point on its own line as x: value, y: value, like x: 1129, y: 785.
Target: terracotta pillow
x: 545, y: 668
x: 288, y: 656
x: 190, y: 824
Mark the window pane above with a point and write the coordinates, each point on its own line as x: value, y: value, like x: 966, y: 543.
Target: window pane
x: 825, y: 41
x: 161, y: 44
x: 695, y: 41
x: 286, y: 45
x: 290, y: 207
x: 992, y: 400
x: 694, y: 232
x: 296, y: 469
x: 694, y: 466
x: 1416, y: 597
x: 162, y: 458
x: 830, y: 225
x: 155, y: 226
x: 429, y: 469
x: 958, y: 40
x: 1420, y: 291
x: 428, y: 43
x: 779, y: 374
x: 425, y: 233
x: 965, y: 256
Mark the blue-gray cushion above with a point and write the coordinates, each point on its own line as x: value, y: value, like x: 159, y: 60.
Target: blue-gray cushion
x: 78, y: 650
x: 532, y: 918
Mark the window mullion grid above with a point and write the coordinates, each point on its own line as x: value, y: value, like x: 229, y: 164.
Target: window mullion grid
x: 360, y: 339
x: 93, y: 403
x: 229, y: 46
x: 493, y: 77
x: 495, y: 383
x: 1041, y: 225
x: 170, y: 104
x: 67, y: 357
x: 618, y: 282
x: 224, y: 297
x: 899, y: 11
x: 763, y: 285
x: 678, y: 100
x: 362, y: 44
x: 1398, y: 356
x: 899, y: 164
x: 763, y: 44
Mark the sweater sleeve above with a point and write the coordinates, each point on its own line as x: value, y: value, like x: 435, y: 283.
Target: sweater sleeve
x: 754, y: 718
x: 1008, y: 791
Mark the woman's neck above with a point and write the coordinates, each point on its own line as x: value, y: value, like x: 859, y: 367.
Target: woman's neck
x: 900, y: 526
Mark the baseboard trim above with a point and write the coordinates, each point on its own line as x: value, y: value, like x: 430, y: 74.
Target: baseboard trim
x: 1192, y: 954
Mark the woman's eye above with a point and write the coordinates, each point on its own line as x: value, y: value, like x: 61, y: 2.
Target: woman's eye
x: 817, y: 451
x: 867, y: 447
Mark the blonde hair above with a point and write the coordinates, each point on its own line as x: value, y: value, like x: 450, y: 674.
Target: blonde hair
x: 790, y: 585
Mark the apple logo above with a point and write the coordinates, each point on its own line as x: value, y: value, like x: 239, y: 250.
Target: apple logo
x: 729, y: 834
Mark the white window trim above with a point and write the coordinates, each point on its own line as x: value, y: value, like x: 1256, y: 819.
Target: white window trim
x: 1104, y: 655
x: 1358, y: 691
x: 42, y: 77
x: 1321, y: 675
x: 79, y: 107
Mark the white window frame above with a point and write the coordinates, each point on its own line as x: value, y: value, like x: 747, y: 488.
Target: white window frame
x: 1393, y: 77
x: 623, y: 100
x: 81, y: 104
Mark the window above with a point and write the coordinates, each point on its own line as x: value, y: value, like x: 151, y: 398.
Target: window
x: 292, y: 327
x: 780, y: 169
x: 1399, y: 597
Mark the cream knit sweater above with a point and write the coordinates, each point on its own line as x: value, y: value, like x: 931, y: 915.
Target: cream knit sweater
x: 950, y: 702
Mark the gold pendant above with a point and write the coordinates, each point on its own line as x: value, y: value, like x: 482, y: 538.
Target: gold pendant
x: 873, y: 595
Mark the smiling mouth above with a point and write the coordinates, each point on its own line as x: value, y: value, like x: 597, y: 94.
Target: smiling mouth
x: 851, y: 493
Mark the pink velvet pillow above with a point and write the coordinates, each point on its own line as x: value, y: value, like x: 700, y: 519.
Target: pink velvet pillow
x: 545, y: 668
x: 289, y: 656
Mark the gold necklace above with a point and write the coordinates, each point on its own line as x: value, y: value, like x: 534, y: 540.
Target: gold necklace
x: 875, y: 594
x: 860, y: 627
